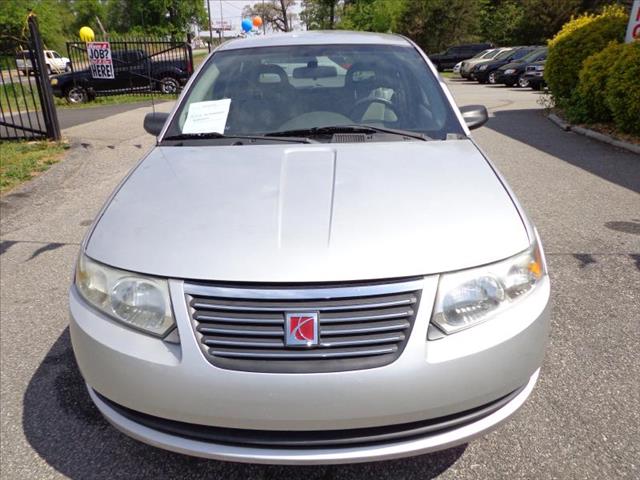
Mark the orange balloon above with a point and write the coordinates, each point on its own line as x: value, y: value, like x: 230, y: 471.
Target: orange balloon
x: 257, y: 21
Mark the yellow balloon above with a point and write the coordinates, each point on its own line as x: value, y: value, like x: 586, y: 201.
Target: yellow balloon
x: 86, y: 34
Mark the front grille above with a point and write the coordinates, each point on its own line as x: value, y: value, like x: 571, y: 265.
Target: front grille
x: 359, y: 326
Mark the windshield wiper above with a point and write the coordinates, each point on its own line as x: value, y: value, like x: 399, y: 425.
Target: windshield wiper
x: 216, y: 135
x: 330, y: 130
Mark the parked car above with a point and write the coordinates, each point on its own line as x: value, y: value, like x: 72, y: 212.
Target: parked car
x: 534, y: 75
x: 451, y: 56
x: 133, y: 71
x: 456, y: 69
x: 55, y: 62
x: 487, y: 72
x: 513, y: 73
x: 307, y: 275
x: 466, y: 66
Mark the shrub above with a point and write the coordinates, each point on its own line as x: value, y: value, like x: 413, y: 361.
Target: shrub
x: 623, y: 89
x: 578, y: 39
x: 588, y: 101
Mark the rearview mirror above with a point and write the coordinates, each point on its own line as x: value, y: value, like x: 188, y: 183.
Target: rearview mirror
x: 153, y: 122
x: 474, y: 115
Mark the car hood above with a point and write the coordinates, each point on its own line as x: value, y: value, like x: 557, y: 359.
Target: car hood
x: 475, y: 61
x: 309, y: 213
x: 518, y: 65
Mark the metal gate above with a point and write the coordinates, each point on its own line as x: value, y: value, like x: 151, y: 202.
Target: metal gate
x: 27, y: 109
x: 141, y: 65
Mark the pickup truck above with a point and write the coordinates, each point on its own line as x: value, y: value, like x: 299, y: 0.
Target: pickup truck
x: 134, y: 71
x: 453, y: 55
x: 55, y: 62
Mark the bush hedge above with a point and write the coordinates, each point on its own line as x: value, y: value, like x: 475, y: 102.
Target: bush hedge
x: 578, y: 39
x: 623, y: 89
x: 588, y: 101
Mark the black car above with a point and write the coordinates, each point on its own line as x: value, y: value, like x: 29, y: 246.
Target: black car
x: 133, y: 71
x: 534, y: 75
x: 487, y: 72
x: 513, y: 73
x: 456, y: 54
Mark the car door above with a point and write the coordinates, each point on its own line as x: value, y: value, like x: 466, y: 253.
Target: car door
x: 138, y: 69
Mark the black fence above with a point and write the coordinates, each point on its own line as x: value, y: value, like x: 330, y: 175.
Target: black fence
x: 27, y: 109
x: 139, y: 66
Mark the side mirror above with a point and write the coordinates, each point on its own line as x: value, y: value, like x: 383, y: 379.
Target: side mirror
x: 474, y: 115
x: 153, y: 122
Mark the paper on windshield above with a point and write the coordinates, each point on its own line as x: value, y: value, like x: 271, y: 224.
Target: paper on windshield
x: 207, y: 117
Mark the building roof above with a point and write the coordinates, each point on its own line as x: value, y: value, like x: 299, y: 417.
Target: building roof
x: 315, y: 37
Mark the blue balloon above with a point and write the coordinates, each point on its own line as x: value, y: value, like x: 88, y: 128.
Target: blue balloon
x: 247, y: 25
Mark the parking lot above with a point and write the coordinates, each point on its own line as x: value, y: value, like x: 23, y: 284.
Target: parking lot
x: 582, y: 420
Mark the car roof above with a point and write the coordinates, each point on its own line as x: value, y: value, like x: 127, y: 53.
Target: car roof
x: 315, y: 37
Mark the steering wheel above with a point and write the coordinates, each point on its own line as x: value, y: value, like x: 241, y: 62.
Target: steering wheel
x: 361, y: 106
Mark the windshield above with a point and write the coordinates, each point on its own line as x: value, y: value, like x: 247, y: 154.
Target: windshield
x: 267, y: 90
x: 531, y: 56
x: 504, y: 54
x: 482, y: 54
x: 492, y: 53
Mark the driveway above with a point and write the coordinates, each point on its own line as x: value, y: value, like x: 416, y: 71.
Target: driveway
x: 71, y: 117
x: 582, y: 420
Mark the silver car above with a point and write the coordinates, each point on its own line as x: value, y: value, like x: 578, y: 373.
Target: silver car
x: 315, y: 264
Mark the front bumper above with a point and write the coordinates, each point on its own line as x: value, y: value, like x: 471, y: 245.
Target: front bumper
x: 480, y: 75
x: 535, y: 80
x: 430, y: 380
x: 313, y: 456
x: 507, y: 79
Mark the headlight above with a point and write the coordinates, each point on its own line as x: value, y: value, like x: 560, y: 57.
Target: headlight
x: 54, y: 81
x: 539, y: 68
x: 509, y: 71
x: 483, y: 67
x: 136, y: 300
x: 472, y: 296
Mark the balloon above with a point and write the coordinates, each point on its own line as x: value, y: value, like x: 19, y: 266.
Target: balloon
x: 86, y: 34
x: 247, y: 25
x: 257, y: 22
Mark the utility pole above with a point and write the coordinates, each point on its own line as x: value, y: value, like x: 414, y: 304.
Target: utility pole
x: 221, y: 17
x: 210, y: 26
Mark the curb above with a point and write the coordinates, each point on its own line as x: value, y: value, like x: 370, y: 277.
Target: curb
x: 559, y: 122
x: 601, y: 137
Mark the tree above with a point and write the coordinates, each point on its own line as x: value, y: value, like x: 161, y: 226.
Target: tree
x: 320, y: 14
x: 372, y: 15
x: 154, y: 16
x: 85, y: 13
x: 500, y: 23
x: 53, y: 18
x: 437, y: 24
x: 276, y: 14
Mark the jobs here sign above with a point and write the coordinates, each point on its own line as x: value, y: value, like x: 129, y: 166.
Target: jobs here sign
x: 633, y: 29
x: 100, y: 60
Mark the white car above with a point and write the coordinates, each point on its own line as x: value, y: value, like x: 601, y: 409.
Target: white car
x: 456, y: 68
x: 55, y: 62
x: 315, y: 264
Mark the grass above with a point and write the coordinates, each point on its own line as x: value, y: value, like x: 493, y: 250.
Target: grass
x: 14, y: 98
x: 22, y: 160
x: 198, y: 57
x: 115, y: 100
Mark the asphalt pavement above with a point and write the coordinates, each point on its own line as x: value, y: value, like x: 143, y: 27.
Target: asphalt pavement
x: 71, y: 117
x: 582, y: 420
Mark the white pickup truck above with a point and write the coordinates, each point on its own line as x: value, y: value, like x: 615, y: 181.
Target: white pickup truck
x: 55, y: 62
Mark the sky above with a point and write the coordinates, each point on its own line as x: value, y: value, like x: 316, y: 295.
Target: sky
x: 232, y: 11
